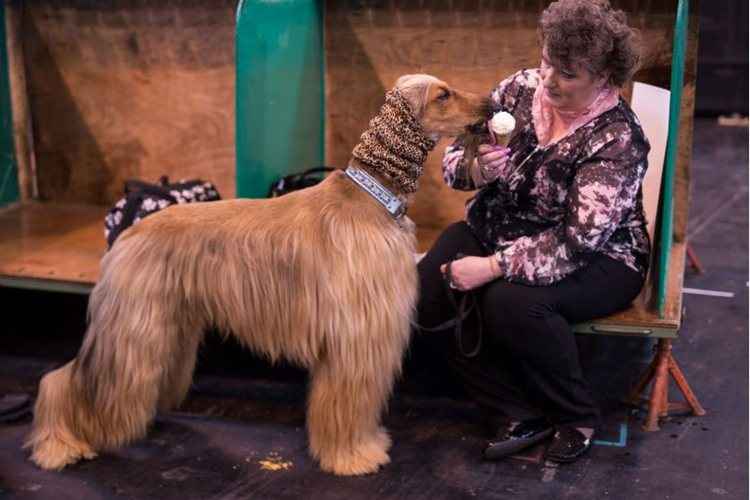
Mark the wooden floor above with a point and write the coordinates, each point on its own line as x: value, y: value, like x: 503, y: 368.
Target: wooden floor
x: 51, y: 243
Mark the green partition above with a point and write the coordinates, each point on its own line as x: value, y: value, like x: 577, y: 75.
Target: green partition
x: 8, y: 174
x: 670, y: 161
x: 280, y: 91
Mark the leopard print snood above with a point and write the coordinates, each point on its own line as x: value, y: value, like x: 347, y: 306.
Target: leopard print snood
x: 395, y: 145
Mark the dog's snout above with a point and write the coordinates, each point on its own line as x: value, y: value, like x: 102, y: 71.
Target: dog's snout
x: 483, y: 113
x: 485, y: 107
x: 477, y: 128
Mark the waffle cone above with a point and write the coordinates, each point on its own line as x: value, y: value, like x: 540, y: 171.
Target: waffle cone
x: 501, y: 140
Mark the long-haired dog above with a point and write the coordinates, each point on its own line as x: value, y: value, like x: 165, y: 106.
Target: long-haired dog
x: 323, y: 277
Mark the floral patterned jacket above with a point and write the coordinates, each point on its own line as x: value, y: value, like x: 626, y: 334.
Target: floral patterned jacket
x: 554, y: 207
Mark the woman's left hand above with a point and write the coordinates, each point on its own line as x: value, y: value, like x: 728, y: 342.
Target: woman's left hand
x: 471, y: 272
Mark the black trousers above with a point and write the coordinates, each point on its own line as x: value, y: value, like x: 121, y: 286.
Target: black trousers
x: 528, y: 365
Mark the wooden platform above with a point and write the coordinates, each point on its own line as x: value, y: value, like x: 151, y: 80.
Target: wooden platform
x: 641, y: 318
x: 58, y: 247
x: 51, y: 246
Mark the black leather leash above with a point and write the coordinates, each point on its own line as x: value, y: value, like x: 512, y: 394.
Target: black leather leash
x: 463, y: 307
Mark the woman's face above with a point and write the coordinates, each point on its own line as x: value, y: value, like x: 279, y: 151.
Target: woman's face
x: 569, y: 89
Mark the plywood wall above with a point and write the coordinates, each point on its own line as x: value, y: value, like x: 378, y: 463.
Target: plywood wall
x: 129, y: 89
x: 145, y: 88
x: 471, y: 45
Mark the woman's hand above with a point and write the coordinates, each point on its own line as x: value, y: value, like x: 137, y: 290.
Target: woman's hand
x: 491, y: 161
x: 472, y: 272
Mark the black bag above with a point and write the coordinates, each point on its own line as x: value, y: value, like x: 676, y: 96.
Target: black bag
x: 294, y: 182
x: 142, y: 199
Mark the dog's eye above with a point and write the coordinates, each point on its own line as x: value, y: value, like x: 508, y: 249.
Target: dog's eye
x: 444, y: 95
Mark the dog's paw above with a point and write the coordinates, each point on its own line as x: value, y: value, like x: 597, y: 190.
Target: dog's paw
x: 52, y: 454
x: 366, y: 458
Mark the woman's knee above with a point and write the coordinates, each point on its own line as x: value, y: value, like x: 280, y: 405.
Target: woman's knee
x: 458, y: 229
x: 456, y: 238
x: 434, y: 304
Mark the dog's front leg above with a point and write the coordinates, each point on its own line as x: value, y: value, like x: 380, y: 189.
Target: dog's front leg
x: 349, y: 390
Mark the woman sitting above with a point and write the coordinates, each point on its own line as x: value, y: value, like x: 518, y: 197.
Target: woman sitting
x: 555, y: 235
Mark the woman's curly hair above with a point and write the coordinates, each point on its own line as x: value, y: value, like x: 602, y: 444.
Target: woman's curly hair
x: 593, y: 34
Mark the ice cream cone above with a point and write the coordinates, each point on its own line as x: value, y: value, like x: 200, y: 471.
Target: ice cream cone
x: 500, y: 139
x: 501, y: 128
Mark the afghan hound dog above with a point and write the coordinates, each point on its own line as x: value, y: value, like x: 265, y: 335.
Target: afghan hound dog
x: 324, y: 277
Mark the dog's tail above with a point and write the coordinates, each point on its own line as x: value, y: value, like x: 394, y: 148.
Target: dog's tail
x: 138, y: 356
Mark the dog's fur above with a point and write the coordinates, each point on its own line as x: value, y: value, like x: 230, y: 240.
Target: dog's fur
x: 323, y: 277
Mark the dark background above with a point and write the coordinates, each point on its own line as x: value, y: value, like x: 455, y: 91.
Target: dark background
x: 722, y: 84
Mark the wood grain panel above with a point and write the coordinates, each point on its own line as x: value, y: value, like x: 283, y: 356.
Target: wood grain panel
x: 51, y: 241
x: 129, y: 89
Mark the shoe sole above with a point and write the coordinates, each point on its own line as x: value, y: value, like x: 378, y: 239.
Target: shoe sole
x: 518, y: 446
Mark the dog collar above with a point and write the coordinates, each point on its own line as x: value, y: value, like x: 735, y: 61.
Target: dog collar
x: 392, y: 203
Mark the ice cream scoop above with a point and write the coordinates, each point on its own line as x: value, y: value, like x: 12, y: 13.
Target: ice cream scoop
x: 501, y: 126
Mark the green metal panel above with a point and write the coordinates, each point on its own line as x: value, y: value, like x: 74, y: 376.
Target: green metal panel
x: 8, y: 174
x: 280, y: 91
x: 46, y: 285
x: 623, y: 330
x: 675, y: 101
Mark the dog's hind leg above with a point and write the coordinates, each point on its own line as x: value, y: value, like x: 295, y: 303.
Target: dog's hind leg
x: 133, y: 358
x: 53, y: 438
x: 178, y: 376
x: 349, y: 390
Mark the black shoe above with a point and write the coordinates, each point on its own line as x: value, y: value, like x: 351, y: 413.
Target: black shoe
x: 568, y: 444
x: 517, y: 437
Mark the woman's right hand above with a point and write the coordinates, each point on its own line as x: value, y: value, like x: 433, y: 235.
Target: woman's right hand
x: 491, y: 161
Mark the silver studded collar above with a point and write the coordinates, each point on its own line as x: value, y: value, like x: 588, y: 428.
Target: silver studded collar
x: 392, y: 203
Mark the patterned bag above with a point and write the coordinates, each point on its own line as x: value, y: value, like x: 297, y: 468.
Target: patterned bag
x: 142, y: 199
x: 294, y: 182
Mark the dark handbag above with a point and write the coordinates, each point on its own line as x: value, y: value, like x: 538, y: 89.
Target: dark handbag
x: 297, y: 181
x: 464, y: 306
x: 143, y: 199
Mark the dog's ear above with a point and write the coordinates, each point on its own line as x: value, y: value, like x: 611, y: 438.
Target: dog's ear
x: 415, y: 88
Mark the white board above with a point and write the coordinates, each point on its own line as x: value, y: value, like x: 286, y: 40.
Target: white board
x: 651, y: 106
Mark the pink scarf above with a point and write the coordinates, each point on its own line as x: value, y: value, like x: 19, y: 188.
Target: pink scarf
x: 542, y: 112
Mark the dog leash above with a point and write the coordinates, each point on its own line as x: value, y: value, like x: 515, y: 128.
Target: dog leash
x: 463, y: 307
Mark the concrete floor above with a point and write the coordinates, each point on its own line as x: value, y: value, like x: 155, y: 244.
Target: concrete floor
x: 242, y: 414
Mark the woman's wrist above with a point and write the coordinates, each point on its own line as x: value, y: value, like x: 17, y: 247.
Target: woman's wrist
x: 495, y: 266
x: 476, y: 173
